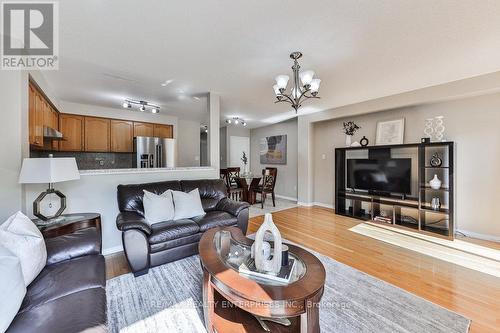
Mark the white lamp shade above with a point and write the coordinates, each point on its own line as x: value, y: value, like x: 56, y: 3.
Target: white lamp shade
x: 276, y: 89
x: 48, y: 170
x: 306, y: 77
x: 315, y: 85
x: 282, y: 81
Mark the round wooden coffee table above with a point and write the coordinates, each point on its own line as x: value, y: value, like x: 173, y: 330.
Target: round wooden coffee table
x: 233, y: 302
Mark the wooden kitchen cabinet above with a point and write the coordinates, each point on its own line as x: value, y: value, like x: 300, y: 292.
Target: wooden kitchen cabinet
x: 36, y: 116
x: 122, y: 136
x: 143, y: 129
x: 72, y: 128
x: 97, y: 134
x: 163, y: 131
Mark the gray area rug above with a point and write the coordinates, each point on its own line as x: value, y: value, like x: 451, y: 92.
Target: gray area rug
x: 169, y: 299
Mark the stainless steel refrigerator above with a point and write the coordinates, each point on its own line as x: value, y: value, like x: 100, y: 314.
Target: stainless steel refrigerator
x: 155, y: 152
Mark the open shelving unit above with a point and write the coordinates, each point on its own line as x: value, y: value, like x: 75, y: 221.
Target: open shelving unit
x: 411, y: 211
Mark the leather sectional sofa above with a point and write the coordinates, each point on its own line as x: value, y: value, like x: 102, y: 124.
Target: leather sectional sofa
x: 69, y: 294
x: 146, y: 246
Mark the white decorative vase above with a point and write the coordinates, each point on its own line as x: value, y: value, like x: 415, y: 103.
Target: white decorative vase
x: 428, y: 129
x: 435, y: 183
x: 348, y: 140
x: 262, y: 263
x: 439, y: 128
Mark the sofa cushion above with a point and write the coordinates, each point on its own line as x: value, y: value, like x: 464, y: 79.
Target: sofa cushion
x: 211, y: 191
x: 12, y: 287
x: 21, y: 236
x: 166, y: 231
x: 80, y: 243
x: 65, y: 278
x: 130, y: 196
x: 187, y: 205
x: 158, y: 247
x: 158, y: 208
x: 214, y: 219
x: 84, y: 311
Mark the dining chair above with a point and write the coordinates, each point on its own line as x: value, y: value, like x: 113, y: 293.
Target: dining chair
x: 234, y: 189
x: 268, y: 183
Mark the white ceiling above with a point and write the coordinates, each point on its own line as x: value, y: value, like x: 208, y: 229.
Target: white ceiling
x: 361, y: 49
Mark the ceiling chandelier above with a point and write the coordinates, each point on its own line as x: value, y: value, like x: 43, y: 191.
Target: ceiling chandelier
x: 236, y: 121
x: 304, y: 85
x: 143, y: 105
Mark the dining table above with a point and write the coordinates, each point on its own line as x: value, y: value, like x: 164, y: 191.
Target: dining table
x: 248, y: 183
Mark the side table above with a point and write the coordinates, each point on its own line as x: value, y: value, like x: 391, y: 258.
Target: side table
x: 68, y: 223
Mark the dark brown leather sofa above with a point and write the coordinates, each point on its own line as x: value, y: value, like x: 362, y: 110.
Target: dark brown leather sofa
x: 147, y: 246
x: 69, y: 294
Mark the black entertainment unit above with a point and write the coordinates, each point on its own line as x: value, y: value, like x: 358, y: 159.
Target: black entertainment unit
x: 390, y: 185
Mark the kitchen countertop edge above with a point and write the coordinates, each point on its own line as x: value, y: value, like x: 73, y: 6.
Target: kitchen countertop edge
x: 98, y: 172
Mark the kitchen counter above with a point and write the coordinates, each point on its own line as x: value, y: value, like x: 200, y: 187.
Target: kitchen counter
x: 142, y: 171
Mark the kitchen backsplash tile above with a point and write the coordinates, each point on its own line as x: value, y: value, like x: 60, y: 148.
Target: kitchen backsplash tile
x: 93, y: 161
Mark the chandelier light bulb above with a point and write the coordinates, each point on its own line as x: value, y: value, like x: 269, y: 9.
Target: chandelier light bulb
x: 276, y: 89
x: 282, y: 81
x: 315, y: 85
x: 306, y: 77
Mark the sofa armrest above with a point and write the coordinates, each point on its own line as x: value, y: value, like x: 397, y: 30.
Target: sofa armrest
x: 232, y: 207
x: 131, y: 220
x: 80, y: 243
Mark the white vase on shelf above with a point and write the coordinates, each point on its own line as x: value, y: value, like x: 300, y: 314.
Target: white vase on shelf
x: 435, y: 183
x: 439, y: 128
x: 348, y: 140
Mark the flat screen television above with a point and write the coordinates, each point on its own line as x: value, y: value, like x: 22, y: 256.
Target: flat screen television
x: 384, y: 176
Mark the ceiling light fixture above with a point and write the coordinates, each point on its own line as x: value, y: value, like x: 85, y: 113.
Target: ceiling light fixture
x: 236, y: 121
x: 143, y: 105
x: 304, y: 85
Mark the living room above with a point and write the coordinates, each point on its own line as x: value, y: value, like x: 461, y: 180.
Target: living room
x: 224, y: 168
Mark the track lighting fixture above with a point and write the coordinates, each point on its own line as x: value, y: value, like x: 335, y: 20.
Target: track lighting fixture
x: 236, y: 121
x: 143, y: 105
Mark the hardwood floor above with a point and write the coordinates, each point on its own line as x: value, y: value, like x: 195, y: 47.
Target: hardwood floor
x: 473, y: 294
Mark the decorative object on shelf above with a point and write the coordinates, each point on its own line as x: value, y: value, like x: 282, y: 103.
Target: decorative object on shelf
x: 48, y: 170
x: 425, y: 140
x: 436, y: 161
x: 428, y: 128
x: 304, y: 85
x: 236, y: 121
x: 284, y: 255
x: 436, y: 203
x: 143, y: 105
x: 439, y: 128
x: 349, y: 129
x: 244, y: 159
x: 266, y: 250
x: 273, y: 150
x: 364, y: 141
x: 261, y: 262
x: 355, y: 144
x: 435, y: 183
x: 390, y: 132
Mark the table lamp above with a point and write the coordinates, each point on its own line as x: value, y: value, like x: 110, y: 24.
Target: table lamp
x: 48, y: 170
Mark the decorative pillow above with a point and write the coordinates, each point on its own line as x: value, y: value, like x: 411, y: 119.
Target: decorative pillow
x: 158, y: 208
x: 187, y: 205
x: 21, y: 237
x: 12, y: 287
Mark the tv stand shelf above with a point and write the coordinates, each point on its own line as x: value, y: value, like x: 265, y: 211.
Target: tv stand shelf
x: 413, y: 211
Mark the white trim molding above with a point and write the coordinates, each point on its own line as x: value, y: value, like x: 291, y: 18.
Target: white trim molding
x: 472, y: 234
x: 112, y: 250
x: 285, y: 197
x: 324, y: 205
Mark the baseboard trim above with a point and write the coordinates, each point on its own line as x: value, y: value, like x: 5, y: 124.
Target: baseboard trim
x: 324, y: 205
x: 279, y: 196
x: 472, y: 234
x: 112, y: 250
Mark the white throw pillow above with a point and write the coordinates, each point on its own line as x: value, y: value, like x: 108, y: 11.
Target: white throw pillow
x: 21, y: 237
x: 158, y: 208
x: 187, y: 205
x: 12, y: 287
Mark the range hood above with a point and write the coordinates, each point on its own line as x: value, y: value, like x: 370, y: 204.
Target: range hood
x: 52, y: 134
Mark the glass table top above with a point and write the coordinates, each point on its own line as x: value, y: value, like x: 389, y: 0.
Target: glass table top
x: 233, y: 253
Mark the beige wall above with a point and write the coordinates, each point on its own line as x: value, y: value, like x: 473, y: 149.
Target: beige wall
x: 286, y: 183
x: 188, y: 143
x: 473, y: 123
